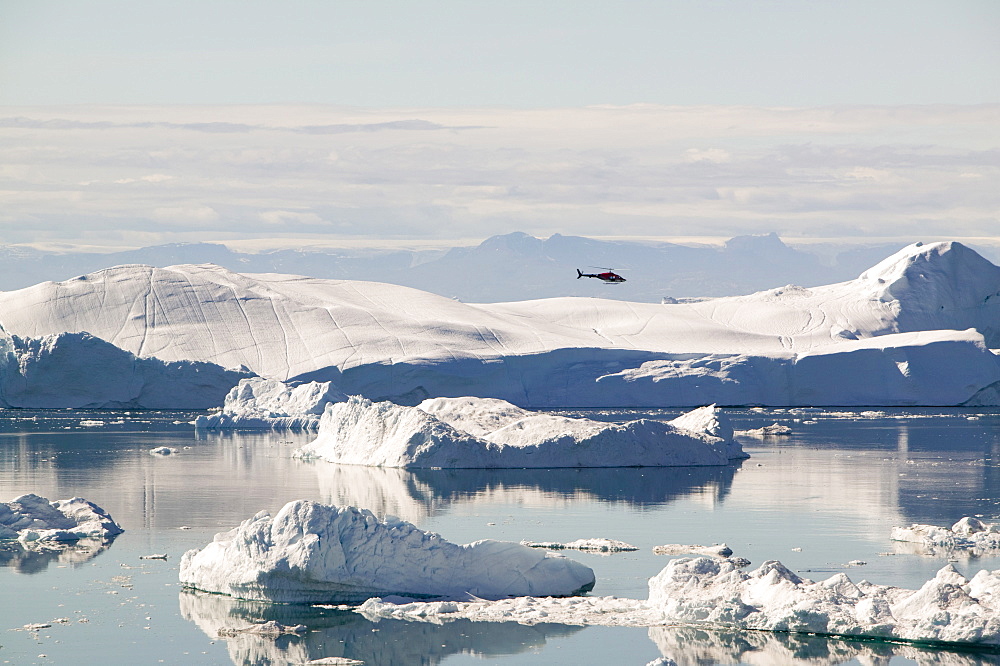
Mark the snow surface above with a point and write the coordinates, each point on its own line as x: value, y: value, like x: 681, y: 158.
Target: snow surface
x: 265, y: 404
x: 316, y: 553
x: 473, y: 432
x: 916, y: 329
x: 714, y: 592
x: 78, y: 370
x: 36, y: 522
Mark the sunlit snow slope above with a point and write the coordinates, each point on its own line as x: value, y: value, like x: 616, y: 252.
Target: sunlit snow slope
x: 389, y: 341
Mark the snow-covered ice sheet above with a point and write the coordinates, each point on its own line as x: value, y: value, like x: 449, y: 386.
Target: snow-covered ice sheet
x: 266, y: 404
x: 36, y: 522
x: 916, y: 329
x: 473, y: 432
x: 715, y: 593
x: 316, y: 553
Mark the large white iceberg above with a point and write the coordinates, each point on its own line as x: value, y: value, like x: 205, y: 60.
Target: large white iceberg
x: 36, y: 522
x: 715, y: 593
x: 916, y: 329
x: 264, y: 404
x: 79, y: 370
x: 316, y: 553
x: 489, y: 433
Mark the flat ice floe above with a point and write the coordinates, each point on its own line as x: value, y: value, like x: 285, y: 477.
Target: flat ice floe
x: 490, y: 433
x: 316, y: 553
x: 36, y: 522
x: 266, y: 404
x: 598, y: 545
x: 715, y: 593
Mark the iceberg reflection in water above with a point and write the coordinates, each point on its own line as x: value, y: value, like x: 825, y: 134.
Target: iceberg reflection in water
x: 417, y: 494
x: 340, y: 633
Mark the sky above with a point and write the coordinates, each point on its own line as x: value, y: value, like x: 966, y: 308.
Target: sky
x: 125, y: 123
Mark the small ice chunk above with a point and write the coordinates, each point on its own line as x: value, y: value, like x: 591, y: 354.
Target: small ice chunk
x: 773, y: 430
x: 598, y: 545
x: 269, y: 629
x: 715, y: 550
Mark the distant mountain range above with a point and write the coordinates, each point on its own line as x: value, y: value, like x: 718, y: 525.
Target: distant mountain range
x: 509, y: 267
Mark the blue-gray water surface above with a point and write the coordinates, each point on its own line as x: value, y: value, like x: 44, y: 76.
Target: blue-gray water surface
x: 822, y: 500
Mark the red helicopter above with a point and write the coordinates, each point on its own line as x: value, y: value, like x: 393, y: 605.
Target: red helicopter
x: 608, y: 277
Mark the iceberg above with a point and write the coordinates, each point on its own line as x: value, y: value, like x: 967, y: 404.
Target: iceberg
x: 316, y: 553
x: 969, y: 536
x: 78, y: 370
x: 715, y: 593
x: 474, y: 432
x: 918, y: 328
x: 36, y: 522
x: 266, y: 404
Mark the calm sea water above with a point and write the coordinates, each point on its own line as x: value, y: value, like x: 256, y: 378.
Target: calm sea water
x: 822, y: 501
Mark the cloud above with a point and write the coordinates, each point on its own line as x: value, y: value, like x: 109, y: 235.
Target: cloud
x: 707, y: 155
x: 185, y: 215
x: 410, y: 125
x: 151, y: 178
x: 291, y: 218
x: 636, y: 170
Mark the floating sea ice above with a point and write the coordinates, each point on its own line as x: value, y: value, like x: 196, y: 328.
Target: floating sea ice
x: 715, y: 550
x: 947, y: 608
x: 316, y: 553
x: 270, y: 629
x: 475, y: 432
x: 969, y: 535
x: 773, y: 430
x: 706, y: 591
x: 265, y: 404
x: 599, y: 545
x: 35, y: 521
